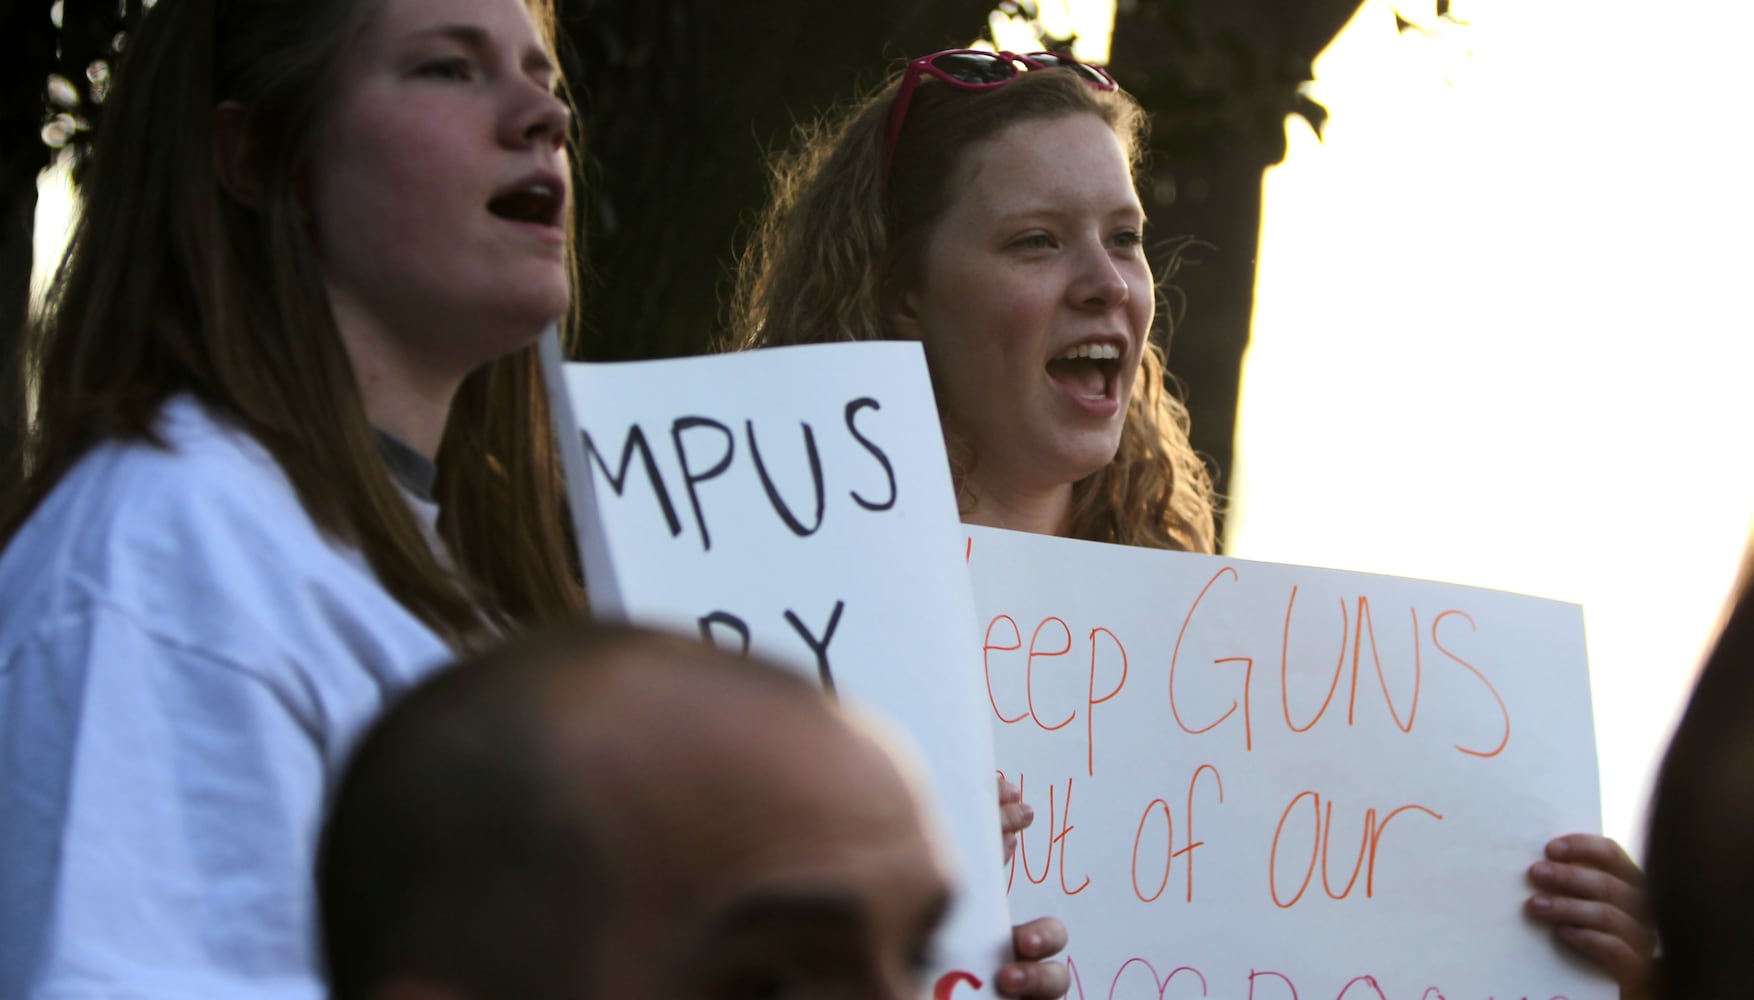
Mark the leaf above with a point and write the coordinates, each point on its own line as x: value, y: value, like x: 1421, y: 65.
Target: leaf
x: 1312, y: 111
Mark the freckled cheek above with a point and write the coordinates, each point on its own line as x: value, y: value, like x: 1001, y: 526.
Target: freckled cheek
x: 1144, y: 306
x: 409, y: 160
x: 1142, y: 301
x: 369, y: 212
x: 1009, y: 322
x: 987, y: 335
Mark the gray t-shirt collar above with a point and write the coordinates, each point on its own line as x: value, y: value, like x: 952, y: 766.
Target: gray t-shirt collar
x: 412, y: 471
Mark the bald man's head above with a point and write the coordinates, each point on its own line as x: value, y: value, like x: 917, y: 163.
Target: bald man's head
x: 606, y: 812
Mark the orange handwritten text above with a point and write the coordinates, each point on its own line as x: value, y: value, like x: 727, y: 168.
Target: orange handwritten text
x: 1059, y: 829
x: 1170, y: 851
x: 1064, y: 646
x: 1284, y: 667
x: 987, y: 663
x: 1052, y: 639
x: 1248, y: 672
x: 949, y: 981
x: 1505, y: 712
x: 1138, y: 977
x: 1321, y: 832
x: 1359, y: 637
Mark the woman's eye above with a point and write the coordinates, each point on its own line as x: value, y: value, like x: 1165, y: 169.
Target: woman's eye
x: 446, y: 69
x: 1129, y: 238
x: 1034, y: 241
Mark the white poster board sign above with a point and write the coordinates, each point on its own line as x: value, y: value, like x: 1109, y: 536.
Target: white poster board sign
x: 1266, y: 782
x: 796, y: 502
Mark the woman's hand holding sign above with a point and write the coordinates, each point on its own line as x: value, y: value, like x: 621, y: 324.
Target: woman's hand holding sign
x: 1033, y: 943
x: 1015, y: 815
x: 1592, y: 893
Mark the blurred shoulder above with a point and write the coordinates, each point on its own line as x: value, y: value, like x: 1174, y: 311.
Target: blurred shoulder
x: 201, y: 539
x: 209, y: 486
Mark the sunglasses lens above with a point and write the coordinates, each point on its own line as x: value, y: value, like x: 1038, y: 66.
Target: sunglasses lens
x: 1091, y: 74
x: 975, y: 67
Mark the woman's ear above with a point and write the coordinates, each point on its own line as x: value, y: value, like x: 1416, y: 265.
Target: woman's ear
x: 901, y: 311
x: 233, y: 154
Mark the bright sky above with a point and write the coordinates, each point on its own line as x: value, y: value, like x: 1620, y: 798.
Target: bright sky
x: 54, y: 223
x: 1090, y: 22
x: 1501, y: 336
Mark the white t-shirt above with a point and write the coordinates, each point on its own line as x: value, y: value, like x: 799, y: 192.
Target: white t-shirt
x: 184, y: 663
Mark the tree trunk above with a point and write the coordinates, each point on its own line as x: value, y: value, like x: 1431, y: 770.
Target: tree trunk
x: 683, y: 103
x: 1219, y: 78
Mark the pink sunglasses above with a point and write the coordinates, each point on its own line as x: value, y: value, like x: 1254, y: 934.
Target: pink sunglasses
x: 977, y: 69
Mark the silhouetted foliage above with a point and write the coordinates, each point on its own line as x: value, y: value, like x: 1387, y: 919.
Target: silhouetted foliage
x: 1220, y: 77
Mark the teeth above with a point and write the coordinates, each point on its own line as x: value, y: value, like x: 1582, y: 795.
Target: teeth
x: 1095, y: 352
x: 535, y: 189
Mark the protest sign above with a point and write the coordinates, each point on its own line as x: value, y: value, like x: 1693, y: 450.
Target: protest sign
x: 796, y: 503
x: 1266, y: 782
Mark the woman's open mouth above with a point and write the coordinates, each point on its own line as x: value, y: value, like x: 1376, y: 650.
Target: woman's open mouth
x: 1087, y: 371
x: 537, y: 203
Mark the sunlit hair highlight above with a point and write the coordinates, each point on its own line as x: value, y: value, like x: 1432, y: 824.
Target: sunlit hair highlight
x: 836, y: 240
x: 171, y: 285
